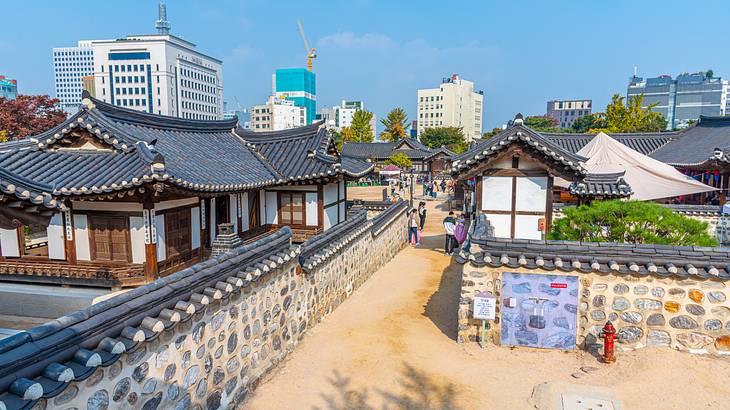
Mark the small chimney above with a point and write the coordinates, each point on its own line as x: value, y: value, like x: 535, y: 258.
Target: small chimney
x: 226, y: 240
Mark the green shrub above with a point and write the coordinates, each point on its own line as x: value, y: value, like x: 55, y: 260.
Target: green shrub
x: 630, y: 222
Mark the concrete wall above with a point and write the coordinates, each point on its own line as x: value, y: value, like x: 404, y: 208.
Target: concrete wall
x: 217, y: 357
x: 686, y: 314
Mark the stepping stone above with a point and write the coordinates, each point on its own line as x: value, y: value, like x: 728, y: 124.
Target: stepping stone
x: 571, y: 396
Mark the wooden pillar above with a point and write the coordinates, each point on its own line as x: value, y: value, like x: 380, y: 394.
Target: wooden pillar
x: 239, y: 213
x: 338, y: 201
x: 549, y: 206
x: 344, y: 190
x: 150, y: 244
x: 203, y: 230
x: 69, y: 243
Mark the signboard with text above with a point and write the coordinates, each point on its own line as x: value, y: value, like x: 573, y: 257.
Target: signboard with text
x: 485, y: 306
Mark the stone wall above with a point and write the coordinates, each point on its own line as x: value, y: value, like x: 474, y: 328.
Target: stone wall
x: 210, y: 348
x: 687, y: 314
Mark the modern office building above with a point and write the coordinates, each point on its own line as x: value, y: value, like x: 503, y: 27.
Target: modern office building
x: 242, y: 114
x: 565, y: 112
x: 682, y: 99
x: 277, y: 114
x: 70, y: 66
x: 8, y: 88
x: 157, y: 73
x: 453, y: 104
x: 413, y: 131
x: 327, y: 115
x: 298, y: 85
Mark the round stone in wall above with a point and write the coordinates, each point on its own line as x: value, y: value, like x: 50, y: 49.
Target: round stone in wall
x: 201, y: 388
x: 647, y: 304
x: 180, y: 341
x: 136, y: 356
x: 657, y: 292
x: 184, y: 403
x: 683, y: 322
x: 696, y: 295
x: 232, y: 343
x: 231, y: 384
x: 68, y: 394
x: 218, y: 375
x: 676, y: 293
x: 716, y: 296
x: 200, y: 352
x: 696, y: 310
x: 672, y: 307
x: 170, y: 371
x: 600, y: 287
x: 658, y: 338
x: 656, y: 319
x: 213, y: 402
x: 631, y: 317
x: 115, y: 369
x: 599, y: 301
x: 713, y: 325
x: 149, y: 386
x: 95, y: 377
x: 152, y: 403
x: 198, y: 331
x: 121, y: 389
x: 98, y: 401
x: 620, y: 288
x: 620, y: 303
x: 217, y: 321
x: 208, y: 364
x: 598, y: 315
x: 629, y: 334
x: 694, y: 340
x: 191, y: 376
x: 245, y: 350
x: 218, y: 352
x: 173, y: 391
x: 641, y: 290
x: 140, y: 372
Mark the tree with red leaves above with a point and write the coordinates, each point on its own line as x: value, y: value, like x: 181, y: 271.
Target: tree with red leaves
x: 29, y: 115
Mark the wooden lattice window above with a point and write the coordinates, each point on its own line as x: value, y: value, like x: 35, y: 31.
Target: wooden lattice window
x: 178, y: 232
x: 292, y: 208
x: 109, y: 238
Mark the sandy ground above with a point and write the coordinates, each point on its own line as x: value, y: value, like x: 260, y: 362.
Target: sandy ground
x: 392, y: 346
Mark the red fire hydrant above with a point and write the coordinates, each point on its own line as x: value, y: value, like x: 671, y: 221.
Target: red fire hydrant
x: 608, y: 333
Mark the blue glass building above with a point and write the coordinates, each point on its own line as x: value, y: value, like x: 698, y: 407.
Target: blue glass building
x: 298, y: 85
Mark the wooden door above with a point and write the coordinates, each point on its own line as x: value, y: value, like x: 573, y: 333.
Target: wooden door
x: 110, y: 238
x: 178, y: 234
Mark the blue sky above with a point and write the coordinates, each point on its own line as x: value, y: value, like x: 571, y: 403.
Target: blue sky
x: 521, y: 53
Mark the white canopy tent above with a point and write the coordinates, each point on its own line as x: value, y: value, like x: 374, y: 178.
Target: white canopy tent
x: 649, y: 179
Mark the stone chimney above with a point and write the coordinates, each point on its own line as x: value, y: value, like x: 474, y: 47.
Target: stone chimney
x: 226, y: 240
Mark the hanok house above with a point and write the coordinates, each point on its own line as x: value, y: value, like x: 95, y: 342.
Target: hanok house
x: 426, y: 161
x: 115, y: 197
x: 507, y: 181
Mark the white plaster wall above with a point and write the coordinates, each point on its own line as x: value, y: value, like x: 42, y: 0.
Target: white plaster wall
x: 9, y: 242
x: 136, y: 236
x: 526, y: 227
x: 195, y: 227
x: 55, y: 233
x: 272, y: 206
x: 244, y: 212
x: 262, y: 207
x: 233, y: 210
x: 531, y: 194
x: 311, y: 208
x: 330, y: 193
x: 330, y: 217
x: 342, y: 211
x: 81, y: 237
x: 501, y: 223
x: 342, y: 189
x: 160, y: 227
x: 497, y: 193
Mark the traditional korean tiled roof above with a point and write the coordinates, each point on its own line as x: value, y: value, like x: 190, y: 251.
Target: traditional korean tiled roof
x: 441, y: 150
x: 700, y: 144
x: 615, y: 258
x: 303, y: 153
x: 645, y: 143
x: 381, y: 151
x: 519, y: 134
x: 605, y: 185
x: 43, y: 361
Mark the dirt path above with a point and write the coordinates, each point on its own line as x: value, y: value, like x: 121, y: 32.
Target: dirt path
x: 392, y: 346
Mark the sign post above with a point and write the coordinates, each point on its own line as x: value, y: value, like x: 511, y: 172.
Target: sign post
x: 485, y: 308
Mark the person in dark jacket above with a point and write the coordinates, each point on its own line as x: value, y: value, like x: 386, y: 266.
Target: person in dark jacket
x: 449, y: 228
x: 422, y: 214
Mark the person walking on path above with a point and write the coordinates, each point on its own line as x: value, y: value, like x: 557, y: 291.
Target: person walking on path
x: 443, y: 185
x: 413, y: 227
x: 422, y: 214
x: 449, y: 228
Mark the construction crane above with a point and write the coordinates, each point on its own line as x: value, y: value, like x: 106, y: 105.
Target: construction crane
x: 311, y: 52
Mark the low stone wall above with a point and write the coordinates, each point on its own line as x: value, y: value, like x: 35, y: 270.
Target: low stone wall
x: 646, y: 292
x: 203, y: 337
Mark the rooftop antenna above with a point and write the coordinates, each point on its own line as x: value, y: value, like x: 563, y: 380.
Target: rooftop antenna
x: 162, y: 25
x: 311, y: 52
x: 636, y: 70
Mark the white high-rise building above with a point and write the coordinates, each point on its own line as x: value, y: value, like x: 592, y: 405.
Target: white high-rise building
x: 277, y: 114
x: 157, y: 73
x: 453, y: 104
x: 70, y: 66
x: 160, y: 74
x: 344, y: 113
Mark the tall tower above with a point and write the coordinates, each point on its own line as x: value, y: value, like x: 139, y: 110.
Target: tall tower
x: 162, y: 25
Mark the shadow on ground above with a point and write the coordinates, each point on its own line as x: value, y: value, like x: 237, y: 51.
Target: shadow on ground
x: 442, y: 307
x: 416, y: 390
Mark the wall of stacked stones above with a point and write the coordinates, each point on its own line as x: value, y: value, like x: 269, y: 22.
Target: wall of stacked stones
x: 689, y: 315
x: 219, y: 356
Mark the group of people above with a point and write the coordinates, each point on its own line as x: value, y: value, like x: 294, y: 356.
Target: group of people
x: 430, y: 188
x: 454, y: 228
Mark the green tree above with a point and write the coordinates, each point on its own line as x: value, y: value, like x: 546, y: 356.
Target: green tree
x: 631, y: 117
x: 360, y: 130
x: 542, y: 123
x: 400, y: 160
x: 493, y: 132
x: 449, y: 137
x: 337, y: 138
x: 585, y: 123
x: 630, y: 222
x: 396, y: 124
x: 709, y: 74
